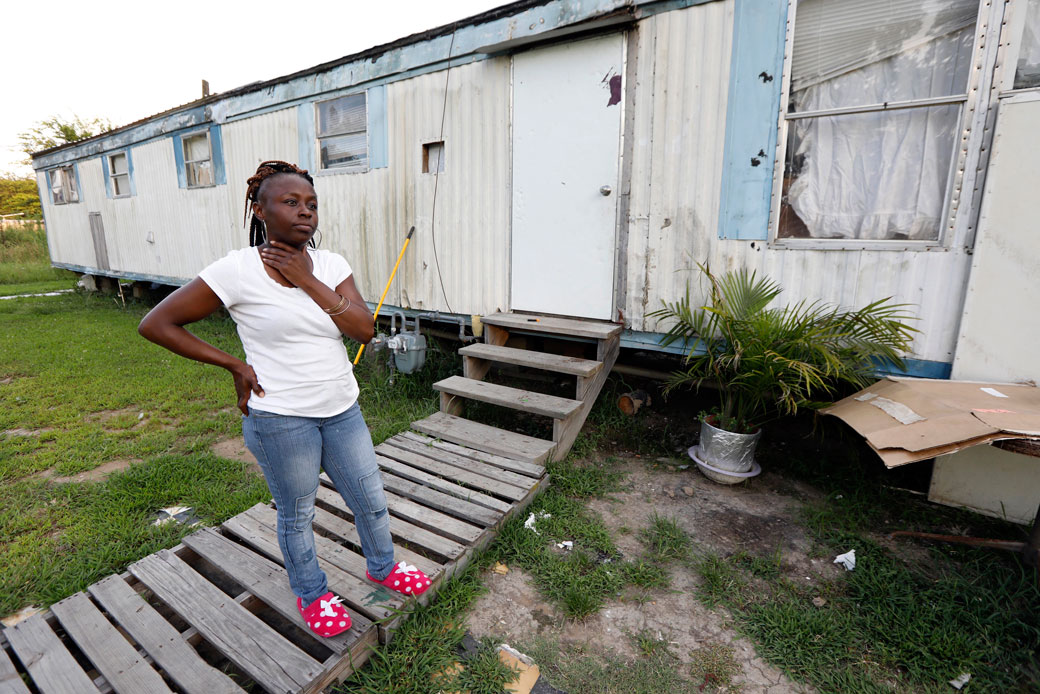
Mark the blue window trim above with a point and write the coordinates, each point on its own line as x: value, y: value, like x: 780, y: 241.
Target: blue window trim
x: 216, y: 153
x: 752, y: 118
x: 307, y: 135
x: 109, y: 193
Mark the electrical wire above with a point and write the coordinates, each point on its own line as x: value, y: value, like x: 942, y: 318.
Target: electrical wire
x: 437, y: 174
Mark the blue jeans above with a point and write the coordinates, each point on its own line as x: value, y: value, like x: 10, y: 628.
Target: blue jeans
x: 291, y: 452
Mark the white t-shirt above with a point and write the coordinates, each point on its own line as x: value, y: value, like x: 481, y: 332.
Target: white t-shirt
x: 292, y: 344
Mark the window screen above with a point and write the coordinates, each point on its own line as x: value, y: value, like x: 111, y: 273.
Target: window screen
x: 342, y: 132
x: 198, y: 165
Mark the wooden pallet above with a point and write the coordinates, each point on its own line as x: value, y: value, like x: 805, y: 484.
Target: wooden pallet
x: 568, y: 414
x: 215, y: 613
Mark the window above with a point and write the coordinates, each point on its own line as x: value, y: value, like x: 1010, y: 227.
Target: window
x: 876, y: 99
x: 342, y: 133
x: 1027, y: 70
x: 119, y: 175
x: 64, y: 188
x: 198, y: 164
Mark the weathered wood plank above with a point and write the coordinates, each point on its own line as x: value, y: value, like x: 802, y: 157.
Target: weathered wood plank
x: 476, y: 514
x: 545, y: 361
x: 485, y: 438
x: 355, y: 593
x: 463, y: 463
x: 452, y: 473
x: 108, y: 650
x: 50, y: 665
x: 549, y: 324
x: 10, y: 680
x: 505, y: 396
x: 499, y: 461
x: 346, y: 531
x: 269, y: 582
x: 442, y: 485
x: 422, y: 536
x: 564, y: 435
x: 273, y: 662
x: 160, y: 640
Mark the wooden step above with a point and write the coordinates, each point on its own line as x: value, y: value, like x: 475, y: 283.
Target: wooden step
x: 550, y: 324
x: 484, y: 438
x: 535, y: 360
x: 514, y: 398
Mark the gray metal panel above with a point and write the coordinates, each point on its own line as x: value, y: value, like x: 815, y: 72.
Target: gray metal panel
x: 681, y: 98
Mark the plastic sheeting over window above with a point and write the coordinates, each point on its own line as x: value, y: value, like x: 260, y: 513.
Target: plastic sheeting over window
x: 1027, y: 72
x: 867, y: 171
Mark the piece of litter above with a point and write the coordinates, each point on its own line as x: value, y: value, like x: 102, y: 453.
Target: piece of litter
x: 566, y: 544
x: 534, y: 518
x: 959, y: 681
x: 500, y: 568
x: 20, y: 616
x: 688, y: 491
x: 818, y: 601
x: 140, y: 416
x: 184, y: 515
x: 995, y: 393
x: 848, y: 560
x: 682, y: 467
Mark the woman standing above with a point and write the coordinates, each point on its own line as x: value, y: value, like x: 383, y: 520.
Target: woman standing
x: 297, y: 392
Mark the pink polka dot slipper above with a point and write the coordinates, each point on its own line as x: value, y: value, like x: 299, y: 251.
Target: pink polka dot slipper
x: 326, y: 616
x: 406, y: 579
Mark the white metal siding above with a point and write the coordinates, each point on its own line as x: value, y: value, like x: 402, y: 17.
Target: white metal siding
x: 366, y: 216
x: 680, y: 102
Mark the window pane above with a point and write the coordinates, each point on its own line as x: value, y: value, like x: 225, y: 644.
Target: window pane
x: 199, y: 174
x: 1027, y: 73
x: 117, y: 163
x: 881, y: 175
x: 69, y: 184
x: 57, y: 190
x: 342, y: 116
x: 196, y: 148
x: 121, y: 185
x: 345, y: 150
x: 855, y: 52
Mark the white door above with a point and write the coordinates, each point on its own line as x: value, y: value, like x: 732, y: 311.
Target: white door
x: 566, y: 140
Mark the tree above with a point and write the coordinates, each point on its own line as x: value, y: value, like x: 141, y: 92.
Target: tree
x: 19, y: 194
x: 56, y: 130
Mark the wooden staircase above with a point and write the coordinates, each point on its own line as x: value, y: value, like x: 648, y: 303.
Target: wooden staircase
x: 568, y: 414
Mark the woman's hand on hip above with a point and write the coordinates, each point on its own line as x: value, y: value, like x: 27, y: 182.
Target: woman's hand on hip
x: 246, y: 384
x: 293, y: 263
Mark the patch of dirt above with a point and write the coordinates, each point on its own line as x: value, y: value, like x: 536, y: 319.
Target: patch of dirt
x: 105, y: 416
x: 25, y: 432
x: 235, y: 449
x: 99, y: 473
x: 759, y: 518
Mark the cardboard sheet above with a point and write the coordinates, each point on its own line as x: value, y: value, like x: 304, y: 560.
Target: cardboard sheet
x: 910, y: 419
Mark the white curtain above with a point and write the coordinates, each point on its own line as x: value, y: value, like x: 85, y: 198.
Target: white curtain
x: 878, y: 175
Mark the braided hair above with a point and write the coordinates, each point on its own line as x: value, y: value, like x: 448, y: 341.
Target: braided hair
x: 253, y: 184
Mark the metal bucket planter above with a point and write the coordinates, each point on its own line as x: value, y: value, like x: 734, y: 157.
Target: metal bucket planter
x: 724, y: 456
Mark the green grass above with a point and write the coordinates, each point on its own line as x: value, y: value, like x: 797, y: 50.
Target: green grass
x: 79, y: 388
x: 666, y: 540
x: 586, y: 669
x: 909, y: 618
x: 24, y: 259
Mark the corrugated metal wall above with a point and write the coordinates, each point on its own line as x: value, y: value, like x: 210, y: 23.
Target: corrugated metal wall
x: 681, y: 95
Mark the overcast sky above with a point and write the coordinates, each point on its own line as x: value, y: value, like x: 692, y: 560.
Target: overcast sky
x: 126, y: 60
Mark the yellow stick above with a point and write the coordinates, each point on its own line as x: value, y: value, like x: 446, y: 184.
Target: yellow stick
x: 407, y: 240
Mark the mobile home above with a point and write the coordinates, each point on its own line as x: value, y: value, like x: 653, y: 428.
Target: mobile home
x: 579, y: 157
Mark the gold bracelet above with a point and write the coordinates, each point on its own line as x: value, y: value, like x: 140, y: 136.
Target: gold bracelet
x: 342, y: 310
x: 333, y: 311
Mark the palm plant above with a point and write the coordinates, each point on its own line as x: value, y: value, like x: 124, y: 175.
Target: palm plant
x: 770, y: 362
